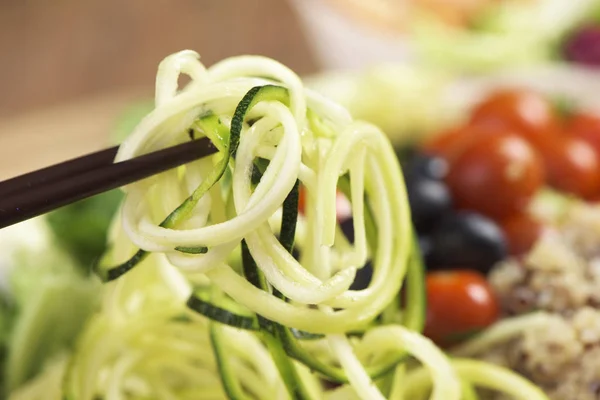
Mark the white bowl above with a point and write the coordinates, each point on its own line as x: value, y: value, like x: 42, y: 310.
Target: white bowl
x: 352, y: 34
x: 340, y: 42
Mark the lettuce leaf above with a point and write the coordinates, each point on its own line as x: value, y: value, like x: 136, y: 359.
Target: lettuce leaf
x: 50, y: 300
x: 81, y: 227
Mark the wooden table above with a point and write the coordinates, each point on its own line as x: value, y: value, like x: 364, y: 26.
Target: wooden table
x: 70, y: 67
x: 40, y: 138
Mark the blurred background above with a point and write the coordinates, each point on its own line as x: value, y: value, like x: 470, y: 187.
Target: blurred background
x: 69, y: 68
x: 65, y: 50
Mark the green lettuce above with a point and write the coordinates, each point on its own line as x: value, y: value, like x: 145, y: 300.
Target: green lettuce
x: 46, y: 299
x: 47, y: 290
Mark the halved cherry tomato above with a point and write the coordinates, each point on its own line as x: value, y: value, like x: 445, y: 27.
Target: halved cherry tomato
x: 458, y: 303
x: 496, y: 175
x: 521, y: 232
x: 585, y: 126
x: 528, y: 112
x: 571, y: 166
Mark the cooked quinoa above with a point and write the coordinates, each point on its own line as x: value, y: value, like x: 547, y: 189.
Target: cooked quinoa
x: 561, y: 275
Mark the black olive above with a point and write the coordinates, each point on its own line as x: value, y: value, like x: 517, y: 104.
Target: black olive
x: 363, y: 277
x: 429, y: 201
x: 347, y: 226
x: 425, y: 166
x: 425, y: 246
x: 466, y: 240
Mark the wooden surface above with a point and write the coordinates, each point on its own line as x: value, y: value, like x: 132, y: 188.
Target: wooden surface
x: 70, y: 67
x: 40, y: 138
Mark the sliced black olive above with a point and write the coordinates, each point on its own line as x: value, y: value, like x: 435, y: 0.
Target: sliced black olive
x: 429, y: 201
x: 466, y: 240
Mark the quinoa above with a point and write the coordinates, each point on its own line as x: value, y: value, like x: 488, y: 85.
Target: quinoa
x: 560, y: 275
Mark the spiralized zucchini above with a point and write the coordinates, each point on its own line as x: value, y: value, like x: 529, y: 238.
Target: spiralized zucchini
x: 206, y: 300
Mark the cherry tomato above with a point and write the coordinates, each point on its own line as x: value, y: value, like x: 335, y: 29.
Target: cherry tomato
x: 458, y: 303
x: 593, y: 199
x: 521, y: 232
x: 526, y: 111
x: 571, y: 166
x: 586, y: 127
x: 301, y: 199
x: 496, y: 175
x: 448, y: 143
x: 451, y: 143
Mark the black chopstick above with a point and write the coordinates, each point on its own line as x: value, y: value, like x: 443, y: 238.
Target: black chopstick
x: 59, y: 171
x: 47, y: 189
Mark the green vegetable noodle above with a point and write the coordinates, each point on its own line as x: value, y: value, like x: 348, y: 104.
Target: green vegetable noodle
x: 217, y: 287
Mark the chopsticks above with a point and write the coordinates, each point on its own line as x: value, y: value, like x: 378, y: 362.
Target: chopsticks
x: 49, y: 188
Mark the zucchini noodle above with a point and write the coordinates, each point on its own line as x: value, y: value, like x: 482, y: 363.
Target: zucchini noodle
x: 204, y: 296
x: 480, y: 373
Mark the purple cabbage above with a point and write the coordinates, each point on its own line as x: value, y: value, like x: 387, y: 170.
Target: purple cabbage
x: 583, y: 47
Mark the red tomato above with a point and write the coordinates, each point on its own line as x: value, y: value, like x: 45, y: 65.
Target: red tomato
x: 585, y: 127
x: 453, y: 142
x: 594, y: 199
x: 448, y: 143
x: 571, y: 166
x: 301, y: 199
x: 496, y: 175
x: 526, y: 111
x: 458, y: 303
x: 521, y: 231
